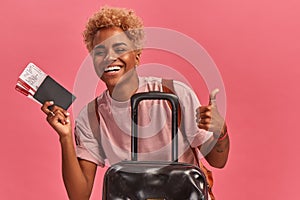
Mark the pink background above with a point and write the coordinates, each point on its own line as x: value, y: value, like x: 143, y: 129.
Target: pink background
x: 255, y: 45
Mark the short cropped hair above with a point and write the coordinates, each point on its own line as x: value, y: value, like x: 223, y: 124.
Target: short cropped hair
x: 126, y: 19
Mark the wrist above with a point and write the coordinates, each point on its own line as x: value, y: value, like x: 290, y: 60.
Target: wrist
x: 222, y: 135
x: 65, y: 139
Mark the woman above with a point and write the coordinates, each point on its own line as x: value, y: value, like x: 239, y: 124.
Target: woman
x: 114, y: 38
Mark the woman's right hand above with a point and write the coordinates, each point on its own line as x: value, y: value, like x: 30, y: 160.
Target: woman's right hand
x: 58, y: 118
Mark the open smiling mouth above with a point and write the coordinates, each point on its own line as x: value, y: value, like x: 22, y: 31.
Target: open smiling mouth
x: 112, y: 69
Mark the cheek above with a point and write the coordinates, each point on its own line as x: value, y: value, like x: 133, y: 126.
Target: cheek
x: 98, y: 71
x: 97, y: 59
x: 129, y: 59
x: 98, y: 66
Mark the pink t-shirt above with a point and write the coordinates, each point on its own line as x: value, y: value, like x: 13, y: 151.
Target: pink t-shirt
x: 111, y: 143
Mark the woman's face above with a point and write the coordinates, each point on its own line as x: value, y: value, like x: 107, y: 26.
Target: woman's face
x: 113, y: 55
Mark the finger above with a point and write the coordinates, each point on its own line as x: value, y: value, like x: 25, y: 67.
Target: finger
x: 58, y: 116
x: 61, y: 116
x: 203, y: 126
x: 54, y: 108
x: 204, y: 115
x: 50, y: 114
x: 203, y: 109
x: 212, y: 96
x: 205, y: 120
x: 45, y: 108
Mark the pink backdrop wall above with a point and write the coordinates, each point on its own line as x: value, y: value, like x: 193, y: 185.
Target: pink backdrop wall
x: 255, y: 45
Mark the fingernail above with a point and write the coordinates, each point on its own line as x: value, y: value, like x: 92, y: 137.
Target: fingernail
x: 67, y: 113
x: 52, y: 113
x: 67, y: 120
x: 51, y: 102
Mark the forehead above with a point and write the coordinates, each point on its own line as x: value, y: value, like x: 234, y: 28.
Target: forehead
x: 110, y: 36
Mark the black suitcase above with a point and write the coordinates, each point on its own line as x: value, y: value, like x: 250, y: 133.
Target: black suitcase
x: 149, y: 180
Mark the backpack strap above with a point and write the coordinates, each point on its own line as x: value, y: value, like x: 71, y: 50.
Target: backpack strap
x: 94, y: 121
x: 168, y: 87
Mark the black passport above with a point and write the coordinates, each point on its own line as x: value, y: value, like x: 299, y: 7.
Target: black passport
x: 50, y: 90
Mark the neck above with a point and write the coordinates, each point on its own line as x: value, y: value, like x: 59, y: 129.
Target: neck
x: 125, y: 88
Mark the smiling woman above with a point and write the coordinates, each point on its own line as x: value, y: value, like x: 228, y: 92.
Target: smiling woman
x: 255, y: 45
x: 114, y: 39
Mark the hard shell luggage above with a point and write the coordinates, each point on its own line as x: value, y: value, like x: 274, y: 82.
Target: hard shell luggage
x: 154, y: 180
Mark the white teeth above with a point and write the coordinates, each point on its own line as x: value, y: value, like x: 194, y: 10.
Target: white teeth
x: 113, y: 68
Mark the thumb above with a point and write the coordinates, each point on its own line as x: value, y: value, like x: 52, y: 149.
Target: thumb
x: 212, y: 96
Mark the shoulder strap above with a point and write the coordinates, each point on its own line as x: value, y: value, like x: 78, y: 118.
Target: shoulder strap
x: 93, y: 115
x: 94, y: 121
x: 168, y: 87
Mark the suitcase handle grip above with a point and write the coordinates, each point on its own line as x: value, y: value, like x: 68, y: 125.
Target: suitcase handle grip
x: 153, y: 95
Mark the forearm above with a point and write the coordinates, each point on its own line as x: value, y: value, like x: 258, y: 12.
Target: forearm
x: 216, y: 150
x: 76, y: 183
x: 218, y: 156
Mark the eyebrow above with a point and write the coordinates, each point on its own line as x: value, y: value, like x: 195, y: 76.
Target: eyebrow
x: 101, y: 46
x: 119, y: 44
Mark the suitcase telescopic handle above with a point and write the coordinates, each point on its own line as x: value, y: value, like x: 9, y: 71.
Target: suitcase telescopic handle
x: 153, y: 95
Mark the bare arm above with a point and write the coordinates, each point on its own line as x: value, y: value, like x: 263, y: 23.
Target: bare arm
x: 216, y: 149
x: 78, y: 175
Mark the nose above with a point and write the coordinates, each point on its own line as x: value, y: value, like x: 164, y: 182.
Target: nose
x: 110, y: 57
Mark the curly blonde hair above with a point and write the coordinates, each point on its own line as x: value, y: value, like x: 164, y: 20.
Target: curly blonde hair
x: 126, y: 19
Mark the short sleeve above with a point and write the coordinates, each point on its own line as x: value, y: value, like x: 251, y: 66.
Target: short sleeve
x: 189, y: 103
x: 87, y: 141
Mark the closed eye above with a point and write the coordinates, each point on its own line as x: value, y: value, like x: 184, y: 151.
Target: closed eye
x: 120, y: 50
x: 99, y: 51
x: 120, y: 47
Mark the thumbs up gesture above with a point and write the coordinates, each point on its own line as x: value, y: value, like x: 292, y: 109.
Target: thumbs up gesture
x: 209, y: 118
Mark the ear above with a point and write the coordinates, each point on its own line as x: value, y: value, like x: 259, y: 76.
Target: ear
x: 137, y: 57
